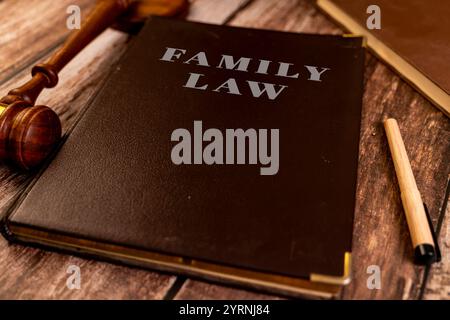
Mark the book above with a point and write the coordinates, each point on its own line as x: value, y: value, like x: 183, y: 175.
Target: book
x: 218, y: 152
x: 413, y: 39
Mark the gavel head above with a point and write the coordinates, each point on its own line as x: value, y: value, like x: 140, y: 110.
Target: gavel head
x: 27, y: 134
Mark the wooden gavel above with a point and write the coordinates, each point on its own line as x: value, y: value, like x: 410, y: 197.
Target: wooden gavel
x: 29, y: 133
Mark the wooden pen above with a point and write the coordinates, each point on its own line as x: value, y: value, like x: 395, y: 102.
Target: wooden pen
x: 418, y: 224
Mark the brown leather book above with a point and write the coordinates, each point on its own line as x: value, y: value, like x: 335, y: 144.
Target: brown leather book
x: 414, y: 39
x: 218, y: 152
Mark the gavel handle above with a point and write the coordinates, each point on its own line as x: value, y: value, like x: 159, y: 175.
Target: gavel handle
x: 45, y: 75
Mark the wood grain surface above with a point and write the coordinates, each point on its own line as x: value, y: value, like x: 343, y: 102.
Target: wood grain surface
x: 26, y: 25
x: 32, y: 29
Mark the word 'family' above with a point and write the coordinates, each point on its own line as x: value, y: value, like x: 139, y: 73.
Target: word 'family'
x: 230, y: 86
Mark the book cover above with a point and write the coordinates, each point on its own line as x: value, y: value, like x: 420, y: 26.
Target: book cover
x: 219, y: 152
x: 413, y: 38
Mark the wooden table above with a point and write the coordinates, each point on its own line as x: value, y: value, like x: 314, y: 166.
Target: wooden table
x: 30, y: 30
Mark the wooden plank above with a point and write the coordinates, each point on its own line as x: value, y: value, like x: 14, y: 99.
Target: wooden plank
x: 214, y: 11
x: 381, y: 235
x: 287, y: 15
x: 30, y: 29
x: 32, y: 273
x: 438, y: 284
